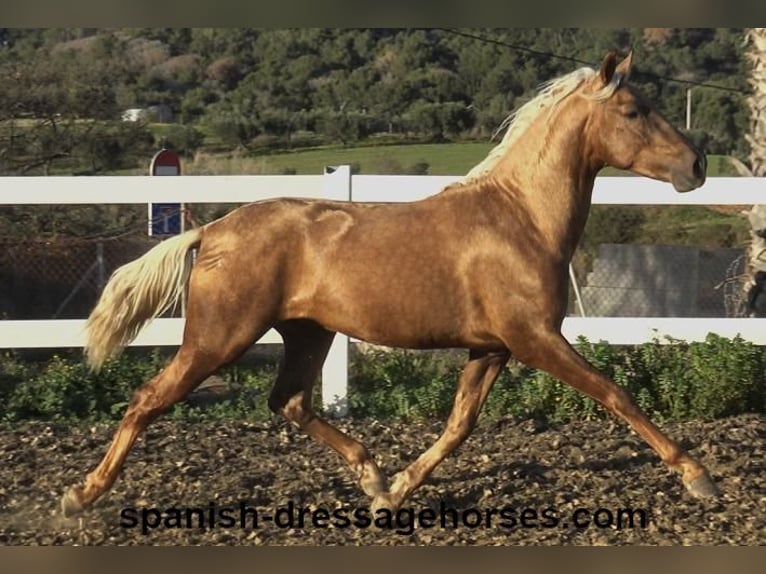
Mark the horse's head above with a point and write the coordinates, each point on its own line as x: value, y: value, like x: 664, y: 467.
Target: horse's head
x: 627, y: 132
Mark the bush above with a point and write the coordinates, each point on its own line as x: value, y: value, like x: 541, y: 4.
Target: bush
x: 13, y: 372
x: 439, y: 121
x: 183, y: 139
x: 385, y: 164
x: 717, y: 378
x: 682, y: 381
x: 249, y: 402
x: 670, y: 382
x: 400, y: 384
x: 64, y: 389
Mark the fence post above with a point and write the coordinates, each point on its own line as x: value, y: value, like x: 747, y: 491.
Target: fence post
x: 337, y: 185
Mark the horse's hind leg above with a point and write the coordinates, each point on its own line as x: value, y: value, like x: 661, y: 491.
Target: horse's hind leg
x: 214, y: 336
x: 476, y: 380
x: 305, y: 348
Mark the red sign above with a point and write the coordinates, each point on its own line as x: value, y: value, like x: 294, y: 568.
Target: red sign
x: 165, y: 162
x: 165, y: 218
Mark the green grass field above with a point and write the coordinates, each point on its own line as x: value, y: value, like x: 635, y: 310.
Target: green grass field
x: 433, y: 159
x: 436, y: 159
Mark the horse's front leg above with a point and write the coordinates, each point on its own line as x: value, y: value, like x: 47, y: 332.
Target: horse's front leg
x: 548, y: 350
x: 477, y: 378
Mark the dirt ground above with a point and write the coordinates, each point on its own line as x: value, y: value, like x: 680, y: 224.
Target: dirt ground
x: 507, y: 473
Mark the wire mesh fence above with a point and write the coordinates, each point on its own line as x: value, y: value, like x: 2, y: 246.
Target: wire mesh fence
x: 61, y: 278
x: 56, y: 260
x: 628, y: 280
x: 616, y: 271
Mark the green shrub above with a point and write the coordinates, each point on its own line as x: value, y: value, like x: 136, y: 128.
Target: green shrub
x: 65, y: 389
x: 671, y: 382
x: 717, y: 378
x: 400, y: 384
x: 12, y: 373
x: 249, y: 402
x: 181, y: 138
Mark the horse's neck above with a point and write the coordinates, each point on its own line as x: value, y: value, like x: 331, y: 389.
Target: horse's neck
x: 547, y: 172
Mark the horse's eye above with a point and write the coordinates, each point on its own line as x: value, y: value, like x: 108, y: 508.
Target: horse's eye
x: 632, y: 114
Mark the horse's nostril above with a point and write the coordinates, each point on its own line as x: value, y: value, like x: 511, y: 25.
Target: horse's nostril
x: 699, y: 167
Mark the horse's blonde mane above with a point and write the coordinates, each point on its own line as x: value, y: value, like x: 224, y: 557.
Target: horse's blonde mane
x: 550, y: 94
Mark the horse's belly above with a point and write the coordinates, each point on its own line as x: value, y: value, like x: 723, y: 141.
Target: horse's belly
x: 395, y: 315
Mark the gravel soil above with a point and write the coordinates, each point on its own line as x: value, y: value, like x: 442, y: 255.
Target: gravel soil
x: 507, y: 471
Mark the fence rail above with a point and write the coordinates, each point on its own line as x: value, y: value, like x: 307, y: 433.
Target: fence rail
x: 341, y: 185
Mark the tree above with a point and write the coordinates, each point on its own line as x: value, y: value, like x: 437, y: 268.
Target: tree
x: 439, y: 121
x: 756, y: 135
x: 756, y: 39
x: 51, y: 106
x: 380, y: 74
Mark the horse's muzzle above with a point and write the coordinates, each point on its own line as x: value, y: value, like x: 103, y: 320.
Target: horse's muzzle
x: 693, y: 176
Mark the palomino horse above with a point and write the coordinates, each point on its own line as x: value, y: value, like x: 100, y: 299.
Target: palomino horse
x: 481, y: 265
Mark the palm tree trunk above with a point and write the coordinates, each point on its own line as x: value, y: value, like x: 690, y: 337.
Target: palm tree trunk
x: 755, y: 39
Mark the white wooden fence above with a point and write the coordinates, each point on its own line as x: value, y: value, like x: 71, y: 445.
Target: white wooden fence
x: 341, y: 185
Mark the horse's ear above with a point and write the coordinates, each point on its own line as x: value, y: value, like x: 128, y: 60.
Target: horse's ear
x: 608, y: 67
x: 624, y: 66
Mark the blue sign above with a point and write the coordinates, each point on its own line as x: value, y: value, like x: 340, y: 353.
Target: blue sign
x: 165, y: 219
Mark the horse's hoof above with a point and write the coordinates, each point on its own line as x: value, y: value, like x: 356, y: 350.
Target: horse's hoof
x: 382, y: 501
x: 373, y: 483
x: 382, y: 511
x: 703, y: 486
x: 71, y: 504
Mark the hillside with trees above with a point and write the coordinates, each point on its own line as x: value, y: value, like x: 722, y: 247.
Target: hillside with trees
x: 263, y: 90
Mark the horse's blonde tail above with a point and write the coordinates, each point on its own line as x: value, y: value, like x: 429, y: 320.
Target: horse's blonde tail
x: 135, y: 294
